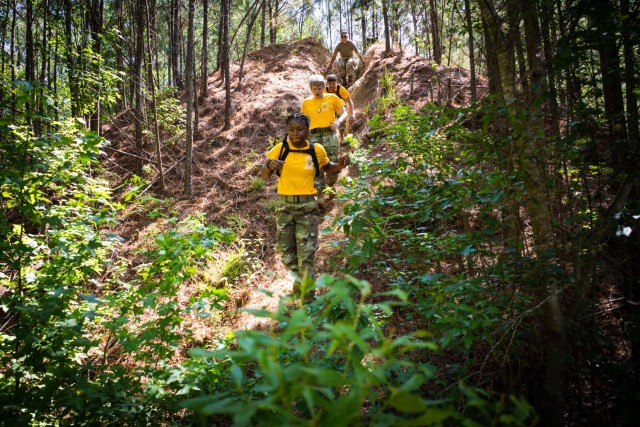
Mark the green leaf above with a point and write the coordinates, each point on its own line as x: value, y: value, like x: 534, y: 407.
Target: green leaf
x: 407, y: 402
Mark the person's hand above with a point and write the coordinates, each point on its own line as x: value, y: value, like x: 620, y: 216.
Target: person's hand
x: 344, y: 162
x: 335, y: 125
x: 275, y: 165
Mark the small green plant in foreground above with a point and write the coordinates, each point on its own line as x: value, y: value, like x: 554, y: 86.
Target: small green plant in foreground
x: 331, y: 362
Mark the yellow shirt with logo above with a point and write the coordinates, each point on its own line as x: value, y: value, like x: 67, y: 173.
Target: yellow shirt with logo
x: 298, y: 172
x: 322, y: 112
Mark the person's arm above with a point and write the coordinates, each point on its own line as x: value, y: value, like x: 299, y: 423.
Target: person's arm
x: 350, y: 108
x: 331, y: 167
x: 343, y: 116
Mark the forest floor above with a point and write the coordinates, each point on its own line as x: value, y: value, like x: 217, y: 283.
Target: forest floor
x: 226, y: 163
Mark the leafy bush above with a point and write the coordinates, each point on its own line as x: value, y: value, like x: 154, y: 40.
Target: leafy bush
x: 334, y: 363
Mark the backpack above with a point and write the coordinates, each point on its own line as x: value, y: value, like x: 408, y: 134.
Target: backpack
x: 336, y: 93
x: 285, y: 150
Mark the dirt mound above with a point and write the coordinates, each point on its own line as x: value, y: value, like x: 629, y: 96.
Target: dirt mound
x: 226, y: 163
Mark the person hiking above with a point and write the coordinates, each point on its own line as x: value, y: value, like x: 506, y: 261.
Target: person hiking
x: 297, y: 214
x: 347, y: 63
x: 322, y: 108
x: 342, y: 93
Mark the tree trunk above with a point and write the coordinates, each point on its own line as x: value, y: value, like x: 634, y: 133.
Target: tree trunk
x: 472, y: 57
x: 435, y: 33
x: 608, y: 54
x: 363, y: 27
x: 227, y: 64
x: 175, y: 43
x: 137, y: 79
x: 121, y: 103
x: 387, y: 39
x: 189, y: 67
x: 263, y: 22
x: 631, y: 82
x: 155, y: 107
x: 204, y: 86
x: 246, y: 44
x: 95, y: 25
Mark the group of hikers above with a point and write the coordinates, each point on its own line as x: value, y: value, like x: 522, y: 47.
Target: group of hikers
x: 308, y: 161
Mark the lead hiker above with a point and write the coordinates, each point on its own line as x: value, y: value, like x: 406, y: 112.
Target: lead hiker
x: 342, y: 93
x: 322, y: 109
x: 347, y: 63
x: 297, y: 160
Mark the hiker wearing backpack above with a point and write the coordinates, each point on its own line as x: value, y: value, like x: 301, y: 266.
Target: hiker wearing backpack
x: 342, y: 93
x: 347, y: 63
x: 322, y: 109
x: 297, y: 161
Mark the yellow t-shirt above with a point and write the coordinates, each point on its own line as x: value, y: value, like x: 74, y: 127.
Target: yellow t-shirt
x: 322, y: 112
x: 344, y: 93
x: 298, y: 172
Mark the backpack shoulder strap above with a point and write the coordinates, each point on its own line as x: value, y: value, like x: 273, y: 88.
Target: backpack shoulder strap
x: 314, y: 157
x: 284, y: 151
x: 338, y: 92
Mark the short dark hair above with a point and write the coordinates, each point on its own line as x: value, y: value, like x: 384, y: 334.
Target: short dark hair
x: 332, y: 78
x: 300, y: 117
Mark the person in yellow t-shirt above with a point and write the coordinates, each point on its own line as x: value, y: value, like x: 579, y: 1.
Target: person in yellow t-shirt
x: 342, y: 93
x: 322, y: 109
x: 297, y: 214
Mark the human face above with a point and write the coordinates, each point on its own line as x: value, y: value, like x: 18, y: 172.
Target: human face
x: 297, y: 131
x: 318, y: 91
x: 333, y: 86
x: 343, y: 39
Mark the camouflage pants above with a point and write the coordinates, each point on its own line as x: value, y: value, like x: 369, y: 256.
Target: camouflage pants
x: 331, y: 144
x: 347, y: 67
x: 297, y: 234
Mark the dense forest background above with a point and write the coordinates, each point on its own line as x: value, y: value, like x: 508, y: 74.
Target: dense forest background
x: 482, y: 257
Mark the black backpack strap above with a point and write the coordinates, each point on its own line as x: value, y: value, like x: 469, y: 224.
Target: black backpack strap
x: 284, y: 151
x: 336, y: 93
x: 314, y: 157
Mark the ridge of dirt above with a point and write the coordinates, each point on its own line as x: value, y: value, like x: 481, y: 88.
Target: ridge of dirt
x: 226, y: 163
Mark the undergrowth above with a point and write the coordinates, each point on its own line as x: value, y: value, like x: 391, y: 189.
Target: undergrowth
x: 87, y: 338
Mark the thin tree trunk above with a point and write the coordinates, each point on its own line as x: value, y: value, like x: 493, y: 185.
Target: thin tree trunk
x: 121, y: 103
x: 175, y: 43
x: 631, y: 82
x: 71, y: 64
x: 363, y: 27
x: 227, y: 65
x: 155, y: 107
x: 188, y: 191
x: 95, y: 24
x: 472, y: 57
x: 387, y: 38
x: 246, y: 44
x: 263, y: 8
x: 137, y: 79
x: 435, y: 32
x: 204, y: 88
